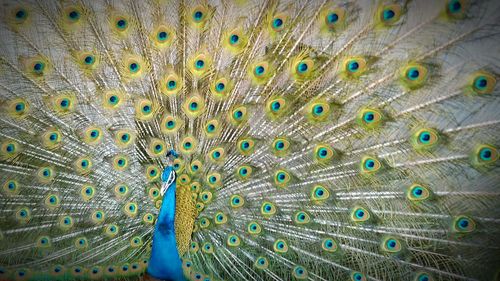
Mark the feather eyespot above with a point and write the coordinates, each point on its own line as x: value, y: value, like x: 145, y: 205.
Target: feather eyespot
x: 301, y: 218
x: 414, y: 75
x: 389, y: 14
x: 233, y: 240
x: 360, y: 214
x: 329, y: 245
x: 358, y: 276
x: 423, y: 276
x: 208, y: 248
x: 483, y: 82
x: 370, y: 165
x: 319, y: 194
x: 244, y: 172
x: 280, y: 246
x: 236, y: 201
x: 282, y: 178
x: 464, y: 224
x: 391, y: 245
x: 254, y: 228
x: 267, y: 209
x: 456, y: 9
x: 417, y: 193
x: 261, y: 263
x: 425, y: 139
x: 299, y: 272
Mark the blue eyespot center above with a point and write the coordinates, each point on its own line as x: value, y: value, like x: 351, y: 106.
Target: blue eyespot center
x: 200, y: 63
x: 391, y: 243
x: 413, y: 74
x: 146, y: 108
x: 388, y: 14
x: 38, y: 67
x: 302, y: 67
x: 89, y: 59
x: 353, y: 66
x: 211, y: 127
x: 21, y: 14
x: 423, y: 277
x: 245, y: 145
x: 64, y: 103
x: 10, y: 147
x: 369, y: 164
x: 94, y: 133
x: 463, y: 223
x: 276, y: 105
x: 198, y: 15
x: 193, y: 105
x: 171, y: 84
x: 121, y: 23
x: 332, y: 18
x: 74, y: 15
x: 481, y: 83
x: 318, y: 109
x: 268, y: 208
x: 455, y: 6
x: 187, y: 145
x: 485, y: 154
x: 238, y: 114
x: 19, y: 107
x: 323, y: 152
x: 259, y: 70
x: 220, y: 87
x: 125, y: 137
x: 113, y: 99
x: 234, y: 39
x: 418, y: 191
x: 162, y: 35
x: 369, y: 117
x: 360, y: 213
x: 277, y: 22
x: 280, y: 145
x: 425, y: 137
x: 170, y: 124
x: 134, y: 67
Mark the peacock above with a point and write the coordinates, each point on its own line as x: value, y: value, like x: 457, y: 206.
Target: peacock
x: 249, y: 140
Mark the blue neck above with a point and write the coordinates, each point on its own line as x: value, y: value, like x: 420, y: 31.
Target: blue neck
x: 165, y: 262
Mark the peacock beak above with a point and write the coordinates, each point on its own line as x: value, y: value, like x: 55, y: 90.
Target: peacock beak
x: 168, y: 177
